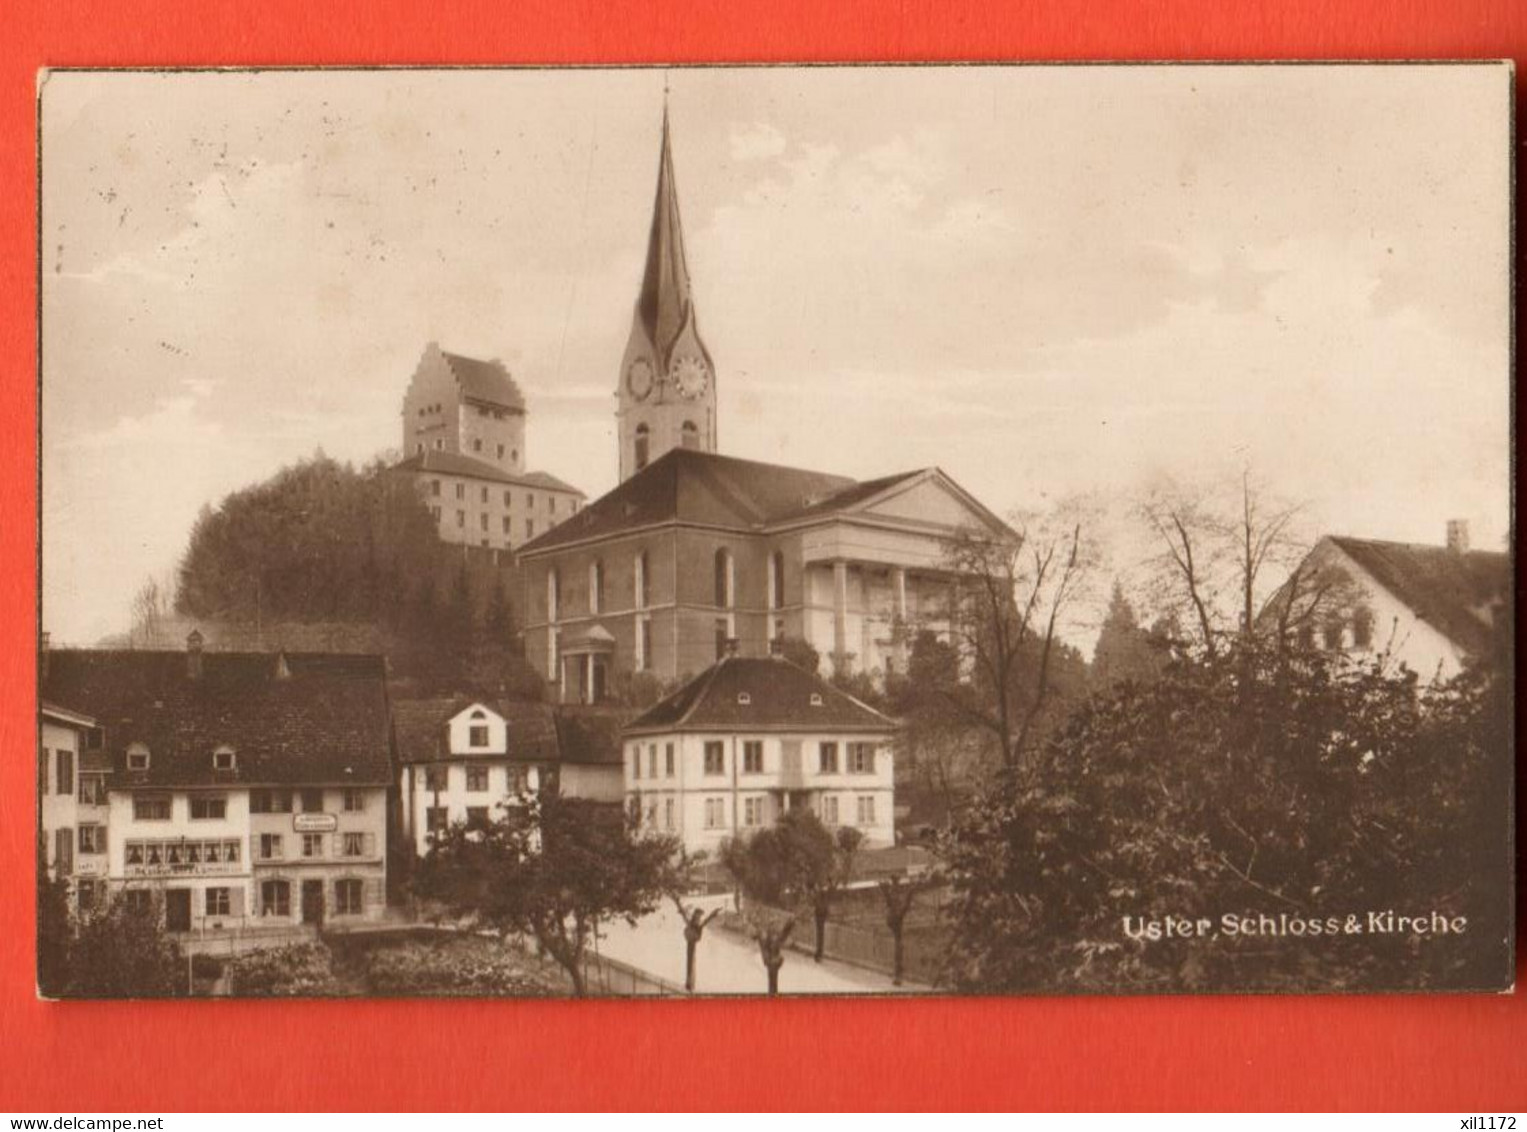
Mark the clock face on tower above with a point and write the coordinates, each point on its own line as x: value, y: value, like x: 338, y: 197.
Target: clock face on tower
x: 690, y: 375
x: 639, y: 379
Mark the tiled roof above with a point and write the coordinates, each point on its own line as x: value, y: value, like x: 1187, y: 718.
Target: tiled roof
x: 488, y: 382
x: 778, y: 697
x: 701, y: 487
x: 324, y: 722
x: 421, y: 728
x: 1453, y: 592
x: 455, y: 464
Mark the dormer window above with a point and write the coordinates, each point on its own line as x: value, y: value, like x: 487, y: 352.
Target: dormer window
x: 816, y: 699
x: 223, y: 758
x: 137, y: 757
x: 744, y: 699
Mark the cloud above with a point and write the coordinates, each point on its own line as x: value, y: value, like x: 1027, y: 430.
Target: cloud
x: 756, y: 141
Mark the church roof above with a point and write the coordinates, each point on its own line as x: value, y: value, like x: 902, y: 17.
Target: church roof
x: 662, y: 306
x: 488, y: 382
x: 685, y: 485
x: 1452, y: 591
x: 455, y: 464
x: 759, y: 693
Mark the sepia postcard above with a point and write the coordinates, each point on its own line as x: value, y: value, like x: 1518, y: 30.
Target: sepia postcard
x: 829, y: 530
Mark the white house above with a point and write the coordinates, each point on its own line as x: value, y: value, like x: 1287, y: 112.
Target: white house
x: 750, y: 738
x: 1427, y: 607
x: 72, y: 809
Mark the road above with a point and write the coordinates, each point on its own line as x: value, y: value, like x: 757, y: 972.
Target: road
x: 727, y: 963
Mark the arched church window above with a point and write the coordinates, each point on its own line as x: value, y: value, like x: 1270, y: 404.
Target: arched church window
x: 643, y: 445
x: 689, y: 435
x: 553, y: 594
x: 724, y: 578
x: 777, y: 580
x: 596, y: 586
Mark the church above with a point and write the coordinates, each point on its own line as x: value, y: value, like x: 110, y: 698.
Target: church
x: 697, y: 555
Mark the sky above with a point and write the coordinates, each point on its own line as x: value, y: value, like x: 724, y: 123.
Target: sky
x: 1047, y: 281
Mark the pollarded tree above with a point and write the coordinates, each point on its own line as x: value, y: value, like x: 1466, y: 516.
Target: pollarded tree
x: 552, y: 869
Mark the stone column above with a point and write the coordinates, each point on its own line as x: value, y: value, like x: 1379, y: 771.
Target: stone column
x: 840, y: 616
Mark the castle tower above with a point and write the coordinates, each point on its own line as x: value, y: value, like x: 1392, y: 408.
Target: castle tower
x: 667, y: 390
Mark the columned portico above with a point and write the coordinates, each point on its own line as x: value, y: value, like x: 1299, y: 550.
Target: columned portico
x: 840, y: 654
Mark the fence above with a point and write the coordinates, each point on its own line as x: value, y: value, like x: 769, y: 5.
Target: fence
x: 603, y: 975
x: 860, y: 944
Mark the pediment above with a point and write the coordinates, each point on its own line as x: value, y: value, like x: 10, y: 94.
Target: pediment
x: 929, y: 500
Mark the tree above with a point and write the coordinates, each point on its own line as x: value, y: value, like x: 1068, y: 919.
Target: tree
x: 830, y: 876
x: 1305, y: 786
x: 775, y: 870
x: 898, y: 894
x: 122, y: 951
x: 55, y: 931
x: 1005, y: 608
x: 800, y: 653
x: 551, y: 869
x: 150, y: 608
x: 696, y: 920
x: 1125, y: 650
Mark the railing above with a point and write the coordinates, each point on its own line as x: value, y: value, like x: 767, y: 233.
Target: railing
x: 603, y: 975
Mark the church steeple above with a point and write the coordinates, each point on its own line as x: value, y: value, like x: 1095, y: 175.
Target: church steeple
x: 667, y: 386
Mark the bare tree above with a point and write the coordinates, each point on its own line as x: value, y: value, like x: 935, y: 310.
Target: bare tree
x: 151, y: 605
x: 1008, y: 596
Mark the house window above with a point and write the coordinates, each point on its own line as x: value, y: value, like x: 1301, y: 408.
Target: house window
x: 355, y: 801
x: 715, y: 813
x: 596, y: 587
x: 477, y: 778
x: 827, y: 758
x: 347, y: 897
x: 137, y: 757
x: 864, y: 809
x: 435, y: 819
x: 355, y: 845
x: 140, y: 901
x: 312, y: 845
x: 689, y: 435
x: 270, y: 801
x: 668, y: 760
x: 437, y: 778
x: 89, y: 893
x: 636, y: 760
x: 715, y: 757
x: 752, y: 811
x: 477, y: 736
x: 477, y: 817
x: 92, y: 839
x: 65, y: 769
x: 151, y: 807
x: 312, y: 801
x: 218, y: 902
x: 434, y: 487
x: 42, y: 770
x: 92, y: 790
x: 223, y: 758
x: 1332, y: 632
x: 275, y: 898
x: 652, y: 760
x: 861, y: 758
x: 209, y: 807
x: 643, y: 445
x: 752, y: 756
x: 272, y: 847
x: 1362, y: 628
x: 829, y: 810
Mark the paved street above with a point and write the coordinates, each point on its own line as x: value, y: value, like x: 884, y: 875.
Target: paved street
x: 729, y: 964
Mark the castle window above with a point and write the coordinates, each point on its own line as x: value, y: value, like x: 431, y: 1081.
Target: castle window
x: 530, y: 501
x: 508, y: 498
x: 500, y: 451
x: 530, y: 528
x: 461, y: 518
x: 476, y: 445
x: 485, y: 495
x: 643, y: 443
x: 482, y: 520
x: 514, y: 456
x: 434, y: 487
x: 596, y: 587
x: 461, y: 491
x: 506, y: 524
x: 689, y: 435
x: 419, y: 448
x: 723, y: 578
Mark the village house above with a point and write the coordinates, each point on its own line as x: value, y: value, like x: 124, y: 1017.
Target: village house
x: 72, y: 808
x: 695, y: 549
x: 749, y: 739
x: 242, y: 790
x: 1427, y: 607
x: 464, y: 445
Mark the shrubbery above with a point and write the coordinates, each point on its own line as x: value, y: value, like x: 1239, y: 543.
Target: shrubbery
x: 463, y: 966
x: 305, y: 969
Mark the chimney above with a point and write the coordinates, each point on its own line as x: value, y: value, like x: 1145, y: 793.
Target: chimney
x: 1458, y: 536
x: 42, y: 657
x: 193, y: 654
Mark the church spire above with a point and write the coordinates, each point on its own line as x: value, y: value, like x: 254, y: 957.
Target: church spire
x: 663, y: 304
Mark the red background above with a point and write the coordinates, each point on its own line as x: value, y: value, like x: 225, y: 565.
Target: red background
x: 1458, y: 1053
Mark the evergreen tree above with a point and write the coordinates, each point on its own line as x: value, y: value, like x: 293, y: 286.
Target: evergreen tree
x: 1125, y: 650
